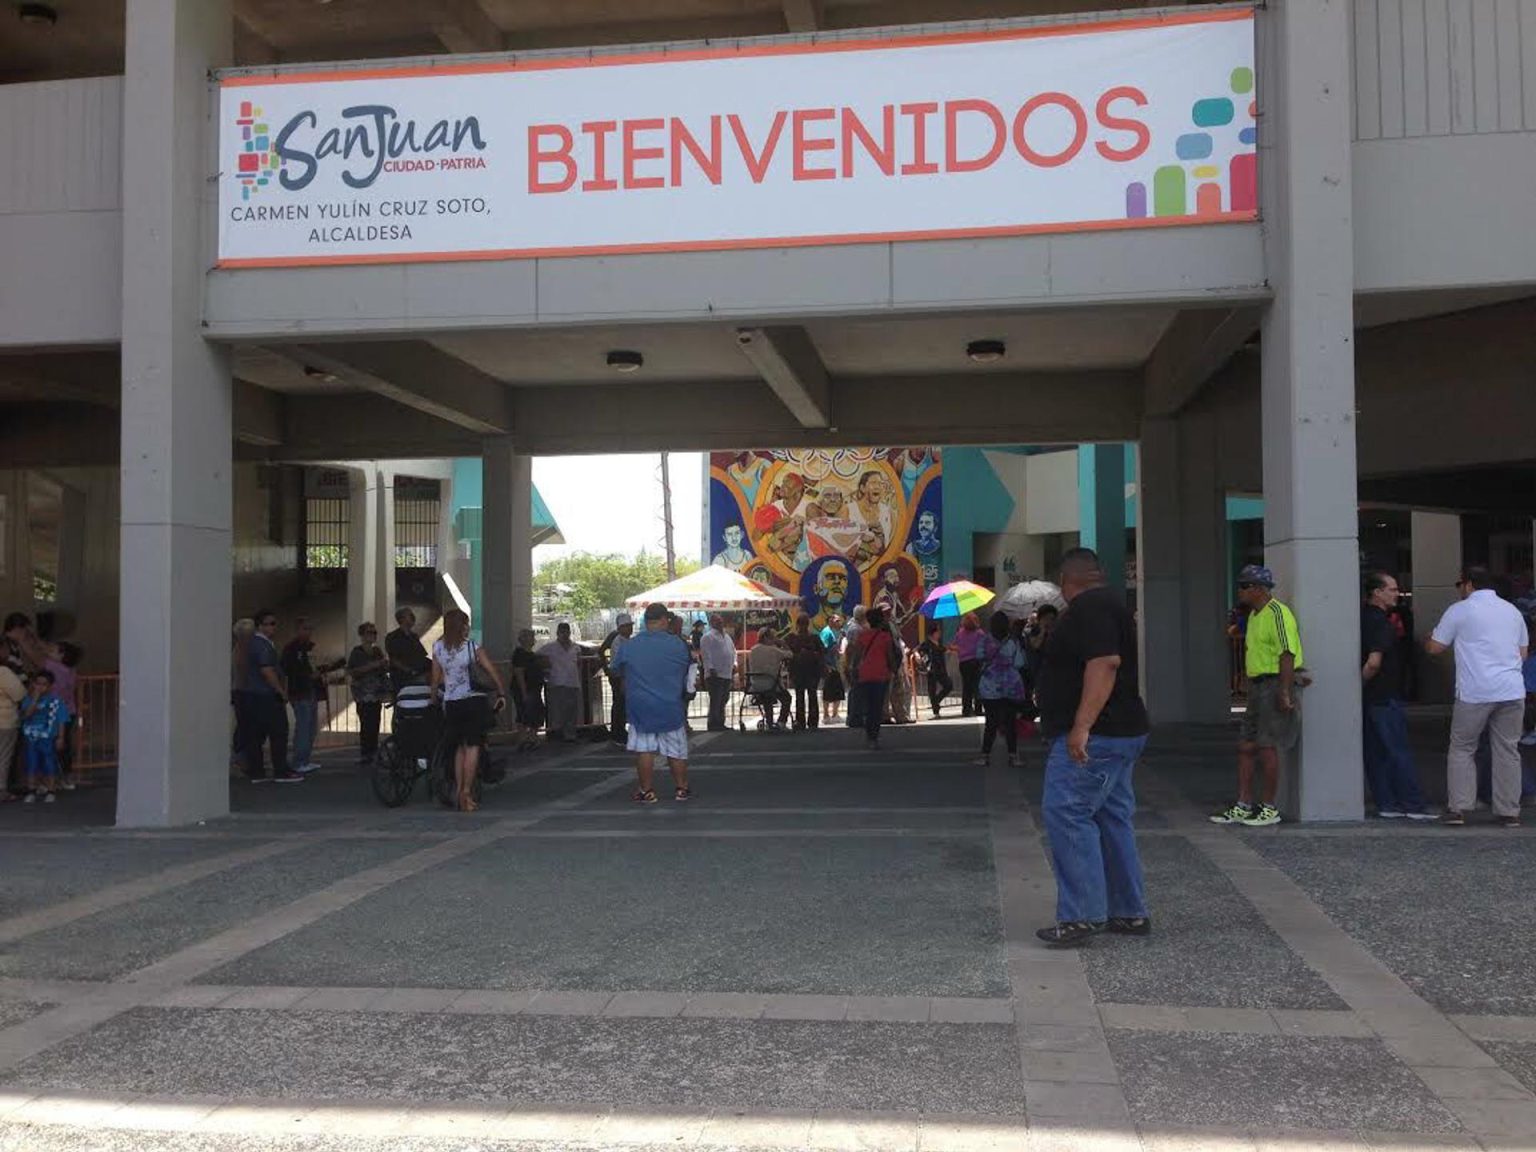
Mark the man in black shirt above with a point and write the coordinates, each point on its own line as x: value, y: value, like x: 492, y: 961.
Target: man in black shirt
x: 1389, y: 767
x: 1093, y: 717
x: 408, y: 659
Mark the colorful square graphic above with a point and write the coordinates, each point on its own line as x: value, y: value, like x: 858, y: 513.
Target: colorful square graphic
x: 1190, y: 183
x: 258, y: 159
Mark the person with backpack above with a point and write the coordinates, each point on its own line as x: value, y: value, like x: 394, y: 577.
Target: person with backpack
x: 1000, y: 688
x: 874, y: 655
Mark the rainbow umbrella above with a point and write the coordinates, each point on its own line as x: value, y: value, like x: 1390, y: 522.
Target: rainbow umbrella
x: 956, y: 599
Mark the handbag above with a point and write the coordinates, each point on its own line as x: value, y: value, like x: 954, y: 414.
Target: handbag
x: 478, y: 680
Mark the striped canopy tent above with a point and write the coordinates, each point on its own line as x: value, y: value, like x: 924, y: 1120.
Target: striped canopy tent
x: 713, y: 588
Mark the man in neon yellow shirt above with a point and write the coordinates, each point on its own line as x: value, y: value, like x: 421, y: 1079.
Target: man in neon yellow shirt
x: 1272, y: 723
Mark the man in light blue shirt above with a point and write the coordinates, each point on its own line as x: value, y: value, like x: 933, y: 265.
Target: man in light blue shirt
x: 655, y: 665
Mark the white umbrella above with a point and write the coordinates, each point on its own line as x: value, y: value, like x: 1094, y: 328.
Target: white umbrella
x: 714, y: 587
x: 1022, y: 599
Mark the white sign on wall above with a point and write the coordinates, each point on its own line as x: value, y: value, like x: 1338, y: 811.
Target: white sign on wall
x: 1121, y: 124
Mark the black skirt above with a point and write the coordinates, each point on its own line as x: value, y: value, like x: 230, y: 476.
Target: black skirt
x: 832, y: 687
x: 466, y: 721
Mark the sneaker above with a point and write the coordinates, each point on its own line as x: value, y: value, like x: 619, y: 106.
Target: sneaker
x: 289, y: 777
x: 49, y: 798
x: 1452, y: 818
x: 259, y: 779
x: 1529, y: 739
x: 306, y: 769
x: 1129, y: 925
x: 68, y: 786
x: 1264, y: 816
x: 1236, y: 814
x: 643, y: 797
x: 1067, y: 934
x: 1506, y: 821
x: 1014, y: 762
x: 683, y: 794
x: 29, y: 798
x: 983, y: 761
x: 1420, y: 815
x: 1390, y: 813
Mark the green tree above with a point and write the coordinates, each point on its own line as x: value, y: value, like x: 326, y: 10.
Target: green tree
x: 602, y: 581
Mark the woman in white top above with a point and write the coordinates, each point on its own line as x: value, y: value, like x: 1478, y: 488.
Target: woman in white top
x: 466, y: 710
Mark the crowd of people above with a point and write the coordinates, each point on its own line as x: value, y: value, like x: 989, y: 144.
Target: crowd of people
x: 1489, y: 637
x: 39, y: 714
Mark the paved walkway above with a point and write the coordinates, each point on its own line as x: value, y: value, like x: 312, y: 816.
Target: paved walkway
x: 826, y: 949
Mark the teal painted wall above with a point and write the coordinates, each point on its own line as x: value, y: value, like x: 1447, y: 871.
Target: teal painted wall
x: 975, y: 500
x: 467, y: 500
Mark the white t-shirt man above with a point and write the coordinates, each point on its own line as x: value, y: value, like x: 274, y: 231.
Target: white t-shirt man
x: 1488, y: 637
x: 564, y: 666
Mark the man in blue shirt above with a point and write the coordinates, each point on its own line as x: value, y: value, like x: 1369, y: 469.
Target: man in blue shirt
x: 654, y: 665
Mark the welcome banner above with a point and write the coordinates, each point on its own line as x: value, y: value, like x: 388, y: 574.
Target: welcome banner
x: 1119, y: 124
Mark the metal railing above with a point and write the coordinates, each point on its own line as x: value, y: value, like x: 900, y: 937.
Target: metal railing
x: 96, y: 726
x: 96, y: 732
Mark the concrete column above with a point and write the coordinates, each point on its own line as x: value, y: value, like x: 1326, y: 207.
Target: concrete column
x: 362, y: 551
x: 15, y: 542
x: 71, y: 574
x: 506, y: 566
x: 1160, y: 600
x: 1181, y: 531
x: 1435, y: 545
x: 1308, y: 407
x: 1102, y: 475
x: 1203, y: 571
x: 173, y: 733
x: 384, y: 546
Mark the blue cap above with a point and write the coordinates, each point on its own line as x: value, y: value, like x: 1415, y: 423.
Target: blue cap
x: 1256, y: 574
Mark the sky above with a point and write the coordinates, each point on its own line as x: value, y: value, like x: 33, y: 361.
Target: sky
x: 613, y: 503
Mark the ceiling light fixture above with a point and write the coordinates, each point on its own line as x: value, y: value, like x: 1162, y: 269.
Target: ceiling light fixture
x: 37, y: 14
x: 622, y: 360
x: 319, y: 374
x: 985, y: 351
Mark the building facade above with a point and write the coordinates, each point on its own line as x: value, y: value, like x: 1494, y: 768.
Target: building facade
x: 1299, y: 268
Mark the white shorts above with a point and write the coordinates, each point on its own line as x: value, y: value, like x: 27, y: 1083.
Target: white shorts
x: 673, y: 745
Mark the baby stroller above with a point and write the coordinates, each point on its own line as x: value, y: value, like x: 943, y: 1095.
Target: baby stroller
x: 412, y: 748
x: 763, y: 693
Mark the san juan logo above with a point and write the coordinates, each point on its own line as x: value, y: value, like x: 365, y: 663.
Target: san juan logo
x: 258, y: 161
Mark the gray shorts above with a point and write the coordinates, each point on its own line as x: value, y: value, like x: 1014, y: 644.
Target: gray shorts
x: 1263, y: 723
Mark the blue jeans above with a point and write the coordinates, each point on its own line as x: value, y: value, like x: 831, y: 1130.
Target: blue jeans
x: 1087, y: 810
x: 1389, y: 767
x: 303, y: 731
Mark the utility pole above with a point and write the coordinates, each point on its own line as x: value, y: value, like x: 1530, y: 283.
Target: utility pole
x: 666, y: 517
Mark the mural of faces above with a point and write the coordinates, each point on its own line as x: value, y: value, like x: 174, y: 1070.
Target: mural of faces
x: 827, y: 523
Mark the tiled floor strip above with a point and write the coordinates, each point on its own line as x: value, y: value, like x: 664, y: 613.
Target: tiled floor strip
x: 1069, y: 1075
x: 25, y: 1040
x: 1485, y: 1098
x: 116, y: 895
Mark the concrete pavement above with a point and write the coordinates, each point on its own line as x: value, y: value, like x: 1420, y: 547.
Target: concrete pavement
x: 827, y: 948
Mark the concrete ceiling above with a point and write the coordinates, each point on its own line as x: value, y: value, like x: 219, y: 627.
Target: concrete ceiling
x: 87, y: 39
x: 285, y: 374
x: 1397, y: 307
x: 1066, y: 339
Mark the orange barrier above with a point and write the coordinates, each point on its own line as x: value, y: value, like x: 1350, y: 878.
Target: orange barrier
x: 96, y: 727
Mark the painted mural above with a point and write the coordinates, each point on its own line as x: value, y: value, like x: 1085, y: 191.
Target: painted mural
x: 839, y: 527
